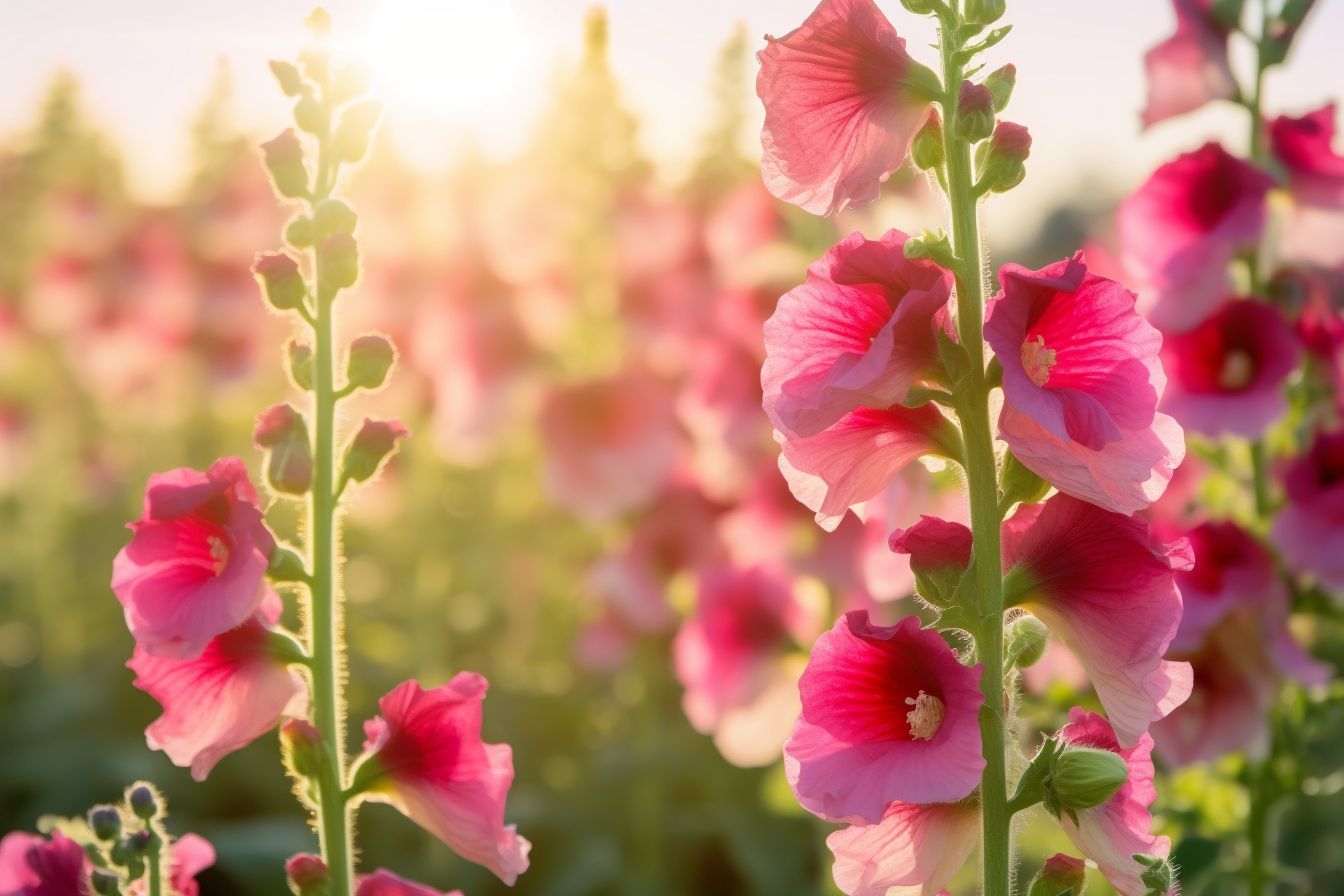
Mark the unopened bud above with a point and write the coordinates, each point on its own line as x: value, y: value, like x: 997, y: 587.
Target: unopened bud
x: 310, y: 116
x: 105, y: 883
x: 932, y: 245
x: 308, y: 875
x: 354, y: 130
x: 299, y: 232
x: 301, y: 364
x: 351, y: 81
x: 975, y: 112
x: 105, y: 821
x: 939, y: 553
x: 338, y: 264
x: 1001, y: 162
x: 281, y: 282
x: 319, y: 22
x: 282, y: 433
x: 927, y: 149
x: 1061, y: 875
x: 1227, y: 13
x: 918, y: 7
x: 983, y: 12
x: 333, y: 216
x: 1019, y: 484
x: 286, y: 565
x: 373, y: 443
x: 1000, y: 84
x: 284, y: 162
x: 1083, y: 777
x: 1026, y: 640
x: 291, y: 82
x: 144, y: 801
x: 371, y: 357
x: 304, y: 751
x: 1158, y: 875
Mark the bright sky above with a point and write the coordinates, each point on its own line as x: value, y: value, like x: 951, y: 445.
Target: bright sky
x: 147, y: 65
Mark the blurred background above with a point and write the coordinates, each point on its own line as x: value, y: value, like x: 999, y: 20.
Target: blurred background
x: 563, y: 229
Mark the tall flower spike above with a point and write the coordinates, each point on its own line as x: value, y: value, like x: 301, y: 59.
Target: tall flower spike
x: 843, y: 100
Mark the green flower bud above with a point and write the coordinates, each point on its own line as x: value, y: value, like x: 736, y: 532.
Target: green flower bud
x: 301, y: 364
x: 338, y: 260
x: 299, y: 232
x: 105, y: 821
x: 374, y: 442
x: 308, y: 875
x: 932, y: 245
x: 280, y: 279
x: 287, y: 565
x: 291, y: 82
x: 1001, y: 161
x: 354, y: 130
x: 918, y: 7
x: 1026, y: 639
x: 310, y: 116
x: 983, y: 12
x: 1000, y: 84
x: 284, y: 163
x: 105, y: 883
x: 282, y: 433
x: 333, y: 216
x: 1083, y: 777
x: 371, y: 357
x: 975, y: 112
x: 927, y: 149
x: 1019, y: 484
x: 303, y: 749
x: 1061, y: 875
x: 1158, y: 874
x: 143, y: 800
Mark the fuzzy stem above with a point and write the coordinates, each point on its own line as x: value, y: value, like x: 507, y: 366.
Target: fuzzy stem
x: 972, y: 404
x: 156, y: 872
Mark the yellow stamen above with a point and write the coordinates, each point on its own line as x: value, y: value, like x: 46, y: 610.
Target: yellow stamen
x: 926, y: 717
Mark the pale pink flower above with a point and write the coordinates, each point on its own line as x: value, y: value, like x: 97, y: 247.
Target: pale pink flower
x: 843, y: 100
x: 1081, y: 382
x: 384, y: 883
x: 889, y: 714
x: 35, y: 866
x: 424, y: 756
x: 915, y: 850
x: 221, y: 700
x: 1190, y: 68
x: 859, y: 332
x: 188, y: 856
x: 1181, y: 229
x: 1309, y: 530
x: 195, y: 564
x: 1304, y: 147
x: 720, y: 408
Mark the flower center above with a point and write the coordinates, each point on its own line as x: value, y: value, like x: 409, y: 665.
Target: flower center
x: 219, y: 552
x: 926, y: 716
x: 1037, y: 359
x: 1238, y: 368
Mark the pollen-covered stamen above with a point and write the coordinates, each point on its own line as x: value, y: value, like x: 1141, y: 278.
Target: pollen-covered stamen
x: 219, y: 552
x: 926, y: 717
x: 1238, y: 369
x: 1037, y: 359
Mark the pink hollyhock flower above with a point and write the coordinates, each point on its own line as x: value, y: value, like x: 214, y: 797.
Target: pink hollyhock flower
x: 859, y: 332
x: 1179, y: 231
x: 720, y: 407
x: 1309, y: 531
x: 889, y: 714
x: 424, y: 756
x: 1303, y: 146
x: 194, y: 567
x: 1102, y: 586
x: 857, y: 457
x: 1081, y: 382
x: 1190, y: 68
x: 729, y: 655
x: 35, y: 866
x: 1110, y: 834
x: 384, y: 883
x: 843, y: 100
x: 188, y: 856
x: 220, y: 701
x: 914, y: 849
x: 1227, y: 374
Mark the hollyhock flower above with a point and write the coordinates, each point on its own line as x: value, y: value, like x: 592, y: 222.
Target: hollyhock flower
x: 843, y: 100
x: 720, y: 407
x: 1227, y: 374
x: 1303, y: 146
x: 188, y: 856
x: 856, y: 458
x: 35, y: 866
x: 1179, y: 231
x: 1309, y: 531
x: 1190, y: 68
x: 195, y: 565
x: 424, y: 756
x: 1106, y: 590
x: 914, y: 849
x: 1112, y: 832
x: 728, y: 657
x: 384, y: 883
x: 889, y: 714
x: 859, y: 332
x: 220, y: 701
x: 1081, y: 381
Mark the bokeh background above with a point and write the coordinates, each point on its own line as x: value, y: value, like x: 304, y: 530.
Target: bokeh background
x: 562, y: 220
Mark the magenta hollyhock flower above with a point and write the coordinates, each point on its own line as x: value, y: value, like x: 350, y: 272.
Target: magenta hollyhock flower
x: 859, y: 332
x: 1103, y: 586
x: 1304, y: 147
x: 196, y: 562
x: 220, y: 701
x: 1081, y: 382
x: 914, y: 849
x: 1190, y: 68
x: 424, y: 756
x: 384, y: 883
x: 1227, y: 374
x: 843, y: 100
x: 1309, y: 530
x: 1180, y: 230
x: 889, y: 714
x: 856, y: 458
x: 1112, y: 833
x: 35, y: 866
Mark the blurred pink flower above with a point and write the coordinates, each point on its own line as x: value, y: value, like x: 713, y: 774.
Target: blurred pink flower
x: 740, y: 225
x: 915, y: 850
x: 35, y: 866
x: 1181, y: 229
x: 1081, y: 382
x: 1304, y: 147
x: 220, y: 701
x: 1190, y: 68
x: 384, y: 883
x: 1112, y: 833
x: 196, y: 561
x: 719, y: 406
x: 1227, y: 374
x: 889, y: 714
x: 424, y: 756
x: 843, y: 100
x: 188, y: 856
x: 859, y: 332
x: 1309, y: 530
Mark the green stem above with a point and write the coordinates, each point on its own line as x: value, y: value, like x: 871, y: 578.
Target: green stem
x: 1257, y: 827
x: 155, y: 872
x: 982, y: 479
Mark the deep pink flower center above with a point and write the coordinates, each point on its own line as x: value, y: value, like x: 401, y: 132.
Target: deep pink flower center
x: 1037, y: 360
x: 889, y: 695
x: 421, y: 747
x: 1238, y: 370
x: 203, y: 546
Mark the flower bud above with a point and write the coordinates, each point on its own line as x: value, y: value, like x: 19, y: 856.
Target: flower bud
x: 371, y: 357
x: 351, y: 81
x: 301, y: 364
x: 105, y: 883
x: 338, y: 264
x: 281, y: 281
x: 354, y: 129
x: 1061, y: 875
x: 1227, y: 13
x: 932, y: 245
x: 319, y: 23
x: 1158, y: 874
x: 284, y: 162
x: 299, y: 232
x: 1019, y: 484
x: 333, y: 216
x: 1001, y: 161
x: 282, y: 433
x: 983, y: 12
x: 1000, y: 84
x: 310, y: 116
x: 975, y: 112
x: 918, y: 7
x: 286, y: 565
x: 375, y: 440
x: 1026, y: 639
x: 308, y: 875
x: 1083, y: 777
x: 304, y: 751
x: 927, y: 149
x: 144, y: 801
x: 105, y: 821
x: 291, y: 82
x: 939, y: 554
